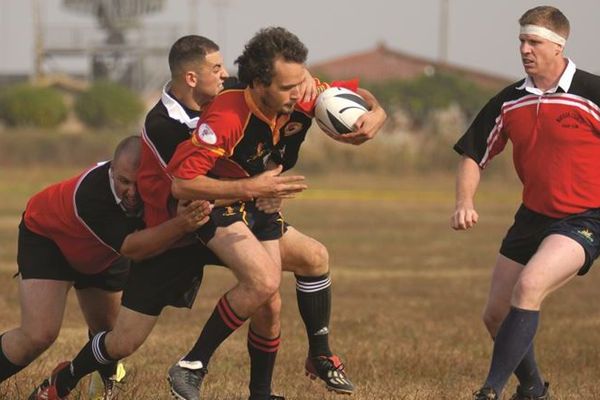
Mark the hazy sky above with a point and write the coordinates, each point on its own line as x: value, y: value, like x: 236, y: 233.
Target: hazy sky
x: 482, y: 33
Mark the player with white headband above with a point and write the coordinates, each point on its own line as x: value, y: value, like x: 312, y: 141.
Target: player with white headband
x: 552, y: 119
x: 544, y: 33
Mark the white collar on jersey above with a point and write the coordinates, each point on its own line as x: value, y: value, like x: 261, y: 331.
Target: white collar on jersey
x: 175, y: 109
x: 564, y: 82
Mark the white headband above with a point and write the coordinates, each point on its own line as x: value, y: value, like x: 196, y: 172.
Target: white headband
x: 543, y: 33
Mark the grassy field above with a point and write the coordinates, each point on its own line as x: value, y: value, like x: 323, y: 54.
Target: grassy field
x: 408, y: 293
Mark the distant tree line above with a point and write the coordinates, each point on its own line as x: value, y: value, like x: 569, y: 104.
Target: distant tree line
x: 102, y: 105
x: 423, y: 96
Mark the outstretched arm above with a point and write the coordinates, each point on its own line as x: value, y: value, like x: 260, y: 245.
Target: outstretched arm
x: 266, y: 184
x: 152, y: 241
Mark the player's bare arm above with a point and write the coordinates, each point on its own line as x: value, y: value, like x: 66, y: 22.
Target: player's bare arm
x: 149, y: 242
x: 467, y: 180
x: 266, y: 184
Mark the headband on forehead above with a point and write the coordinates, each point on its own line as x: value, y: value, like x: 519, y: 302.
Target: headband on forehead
x: 543, y: 33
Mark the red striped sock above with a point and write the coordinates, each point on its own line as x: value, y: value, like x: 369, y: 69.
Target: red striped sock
x: 222, y: 323
x: 263, y: 352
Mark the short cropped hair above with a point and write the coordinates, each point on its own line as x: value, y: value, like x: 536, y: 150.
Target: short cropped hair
x: 548, y: 17
x: 188, y: 49
x: 130, y: 146
x: 257, y: 62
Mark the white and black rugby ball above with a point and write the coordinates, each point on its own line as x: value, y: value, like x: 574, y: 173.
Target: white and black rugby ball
x: 337, y: 109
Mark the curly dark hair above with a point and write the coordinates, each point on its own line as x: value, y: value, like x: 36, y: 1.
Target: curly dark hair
x: 191, y: 48
x: 257, y: 61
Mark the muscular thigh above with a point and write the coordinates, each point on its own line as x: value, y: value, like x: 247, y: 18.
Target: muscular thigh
x: 557, y: 260
x: 42, y: 304
x: 241, y: 251
x: 302, y: 254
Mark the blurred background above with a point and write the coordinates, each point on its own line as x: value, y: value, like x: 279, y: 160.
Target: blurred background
x: 81, y: 66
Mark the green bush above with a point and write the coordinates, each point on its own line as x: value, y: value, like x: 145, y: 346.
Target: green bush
x: 27, y: 105
x: 421, y: 96
x: 108, y: 105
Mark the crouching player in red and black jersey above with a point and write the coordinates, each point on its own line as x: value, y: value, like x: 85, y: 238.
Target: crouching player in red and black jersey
x: 79, y: 233
x: 233, y: 155
x: 552, y: 119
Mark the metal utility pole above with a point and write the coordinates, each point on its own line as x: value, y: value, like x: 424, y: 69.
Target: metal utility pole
x: 443, y: 32
x: 38, y: 41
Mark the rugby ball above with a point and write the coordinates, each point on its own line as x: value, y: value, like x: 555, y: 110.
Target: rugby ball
x: 337, y: 109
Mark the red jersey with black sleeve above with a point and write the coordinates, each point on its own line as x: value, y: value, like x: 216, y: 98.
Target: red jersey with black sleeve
x: 555, y: 137
x: 234, y: 139
x: 83, y: 216
x: 167, y: 125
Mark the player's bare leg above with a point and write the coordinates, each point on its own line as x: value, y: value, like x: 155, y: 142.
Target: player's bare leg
x: 100, y: 309
x: 308, y: 259
x: 130, y: 331
x: 42, y: 309
x: 557, y: 260
x: 257, y: 267
x: 505, y: 275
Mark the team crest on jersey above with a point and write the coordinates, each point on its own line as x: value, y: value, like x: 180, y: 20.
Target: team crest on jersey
x: 292, y: 128
x: 206, y: 134
x: 571, y: 119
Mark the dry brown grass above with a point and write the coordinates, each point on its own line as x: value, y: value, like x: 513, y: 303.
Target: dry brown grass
x: 408, y: 293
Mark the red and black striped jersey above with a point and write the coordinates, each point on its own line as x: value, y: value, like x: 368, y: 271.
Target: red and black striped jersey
x: 234, y: 139
x: 167, y: 125
x: 83, y: 216
x: 555, y: 137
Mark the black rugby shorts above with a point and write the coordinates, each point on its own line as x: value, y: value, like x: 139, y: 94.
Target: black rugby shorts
x: 40, y: 258
x: 170, y: 279
x: 530, y: 228
x: 264, y: 226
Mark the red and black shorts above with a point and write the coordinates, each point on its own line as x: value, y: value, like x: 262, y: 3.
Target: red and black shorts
x: 264, y: 226
x: 40, y: 258
x: 530, y: 228
x: 171, y: 278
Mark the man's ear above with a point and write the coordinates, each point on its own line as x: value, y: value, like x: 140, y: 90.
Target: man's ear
x: 191, y: 78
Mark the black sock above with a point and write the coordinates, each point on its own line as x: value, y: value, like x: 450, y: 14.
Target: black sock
x: 262, y: 352
x: 530, y: 381
x: 108, y: 370
x: 513, y: 340
x: 7, y: 368
x: 92, y: 357
x: 222, y: 323
x: 314, y: 302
